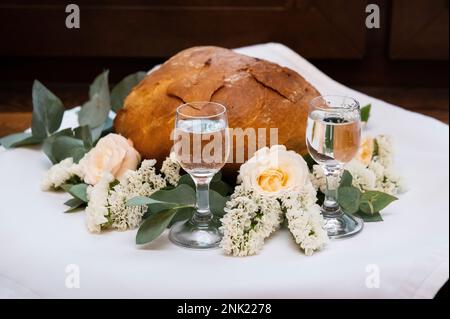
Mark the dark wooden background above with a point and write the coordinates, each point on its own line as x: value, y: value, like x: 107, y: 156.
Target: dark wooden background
x: 404, y: 62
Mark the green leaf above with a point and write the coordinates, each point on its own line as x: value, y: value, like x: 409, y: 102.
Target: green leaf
x: 79, y: 191
x: 349, y: 199
x: 19, y: 139
x: 183, y: 213
x: 182, y: 194
x: 142, y: 201
x: 346, y: 179
x: 216, y: 183
x: 186, y: 179
x: 154, y: 226
x: 370, y: 218
x: 84, y: 133
x: 95, y: 111
x: 47, y: 146
x: 48, y: 111
x: 217, y: 203
x: 123, y: 88
x: 74, y: 204
x: 221, y: 187
x: 374, y: 201
x: 66, y: 146
x: 217, y: 177
x: 99, y: 85
x: 107, y: 126
x: 365, y: 112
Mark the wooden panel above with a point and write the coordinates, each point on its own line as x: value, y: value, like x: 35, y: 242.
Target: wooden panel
x: 420, y: 29
x: 315, y: 29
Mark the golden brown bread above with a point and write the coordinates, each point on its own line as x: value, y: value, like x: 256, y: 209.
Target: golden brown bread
x: 257, y: 94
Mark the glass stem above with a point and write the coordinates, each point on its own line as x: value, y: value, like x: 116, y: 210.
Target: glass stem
x: 203, y: 213
x: 330, y: 207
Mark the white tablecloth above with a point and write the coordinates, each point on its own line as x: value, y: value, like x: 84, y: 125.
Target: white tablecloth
x: 408, y: 251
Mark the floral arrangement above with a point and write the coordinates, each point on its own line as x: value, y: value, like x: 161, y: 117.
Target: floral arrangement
x: 275, y: 186
x: 105, y: 175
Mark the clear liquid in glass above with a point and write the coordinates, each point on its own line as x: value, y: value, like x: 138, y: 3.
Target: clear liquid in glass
x: 201, y: 145
x: 333, y: 138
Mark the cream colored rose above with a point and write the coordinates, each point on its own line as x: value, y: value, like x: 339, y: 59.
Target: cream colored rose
x: 366, y: 150
x: 113, y: 154
x: 274, y: 170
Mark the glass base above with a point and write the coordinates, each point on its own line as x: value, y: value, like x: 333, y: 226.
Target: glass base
x: 190, y: 234
x: 342, y: 226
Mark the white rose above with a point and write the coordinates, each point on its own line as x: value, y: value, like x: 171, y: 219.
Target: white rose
x: 113, y: 154
x: 274, y: 170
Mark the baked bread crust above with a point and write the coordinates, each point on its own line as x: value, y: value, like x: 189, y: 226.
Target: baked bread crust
x: 257, y: 94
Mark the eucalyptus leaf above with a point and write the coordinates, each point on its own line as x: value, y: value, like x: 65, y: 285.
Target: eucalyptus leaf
x: 99, y: 85
x: 48, y: 111
x: 217, y: 177
x: 365, y: 112
x: 375, y: 201
x: 66, y: 146
x: 47, y: 146
x: 97, y: 132
x: 79, y: 191
x: 74, y: 204
x: 346, y: 179
x: 19, y: 139
x: 154, y: 226
x: 216, y: 183
x: 182, y: 194
x: 183, y: 213
x: 370, y: 218
x: 221, y: 187
x: 95, y: 111
x: 107, y: 126
x: 84, y: 133
x: 142, y: 201
x: 186, y: 179
x: 349, y: 199
x: 123, y: 88
x: 217, y: 203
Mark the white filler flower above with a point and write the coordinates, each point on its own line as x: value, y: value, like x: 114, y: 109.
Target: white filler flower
x: 142, y: 182
x: 97, y: 210
x: 60, y: 173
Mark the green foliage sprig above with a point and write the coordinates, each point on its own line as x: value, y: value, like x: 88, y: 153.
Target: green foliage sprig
x: 93, y: 119
x: 366, y: 205
x: 168, y: 206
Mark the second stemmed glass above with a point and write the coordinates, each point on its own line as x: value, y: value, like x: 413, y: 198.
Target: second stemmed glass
x: 201, y: 146
x: 333, y: 138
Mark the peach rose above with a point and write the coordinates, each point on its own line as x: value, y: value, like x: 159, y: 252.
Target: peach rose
x: 113, y: 154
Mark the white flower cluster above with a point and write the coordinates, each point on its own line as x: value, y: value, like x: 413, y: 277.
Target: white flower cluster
x: 304, y: 219
x: 97, y: 208
x: 143, y: 182
x: 250, y: 218
x: 379, y: 174
x: 61, y: 173
x: 171, y: 170
x: 107, y: 207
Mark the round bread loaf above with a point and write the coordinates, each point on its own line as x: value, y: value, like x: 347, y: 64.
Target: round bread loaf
x: 257, y: 93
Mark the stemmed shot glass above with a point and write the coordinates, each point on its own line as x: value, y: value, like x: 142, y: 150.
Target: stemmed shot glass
x: 333, y: 138
x: 201, y: 146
